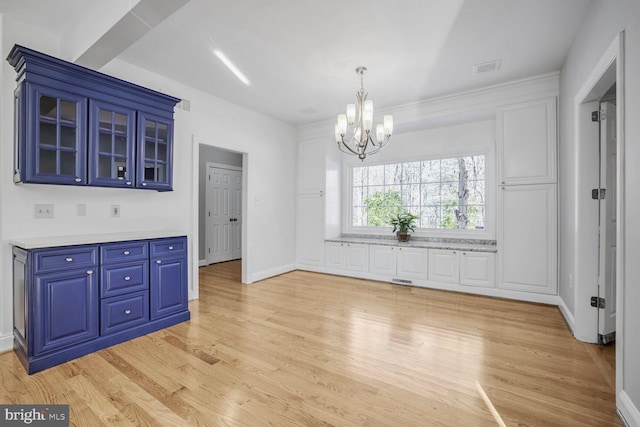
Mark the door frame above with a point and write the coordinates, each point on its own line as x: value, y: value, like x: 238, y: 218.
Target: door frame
x: 208, y: 200
x: 608, y: 70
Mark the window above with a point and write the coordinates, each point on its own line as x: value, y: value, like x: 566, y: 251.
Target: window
x: 446, y: 194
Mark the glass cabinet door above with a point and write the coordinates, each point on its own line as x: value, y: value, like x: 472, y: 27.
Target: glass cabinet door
x: 111, y: 145
x: 155, y: 152
x: 56, y: 148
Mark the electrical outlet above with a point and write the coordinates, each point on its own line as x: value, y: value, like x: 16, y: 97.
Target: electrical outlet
x: 115, y: 210
x: 43, y: 211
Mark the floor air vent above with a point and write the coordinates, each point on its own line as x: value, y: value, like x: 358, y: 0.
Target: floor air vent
x: 402, y: 281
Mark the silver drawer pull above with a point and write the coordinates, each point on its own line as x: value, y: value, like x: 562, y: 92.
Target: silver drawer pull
x: 158, y: 262
x: 127, y: 311
x: 69, y: 259
x: 128, y: 182
x: 78, y: 179
x: 126, y: 252
x: 127, y: 278
x: 144, y: 184
x: 170, y: 248
x: 89, y: 271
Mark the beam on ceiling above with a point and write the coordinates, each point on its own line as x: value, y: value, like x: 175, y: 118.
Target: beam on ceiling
x: 106, y: 29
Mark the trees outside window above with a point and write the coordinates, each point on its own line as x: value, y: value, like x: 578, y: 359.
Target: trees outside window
x: 445, y: 193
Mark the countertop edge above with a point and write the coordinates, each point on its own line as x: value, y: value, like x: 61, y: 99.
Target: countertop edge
x: 470, y: 247
x: 89, y: 239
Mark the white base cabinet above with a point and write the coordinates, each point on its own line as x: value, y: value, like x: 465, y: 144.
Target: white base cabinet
x: 347, y: 256
x: 412, y: 263
x: 383, y: 260
x: 444, y: 266
x: 398, y: 262
x: 478, y: 269
x: 464, y: 268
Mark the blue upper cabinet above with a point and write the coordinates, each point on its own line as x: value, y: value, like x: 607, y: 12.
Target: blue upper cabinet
x: 77, y: 126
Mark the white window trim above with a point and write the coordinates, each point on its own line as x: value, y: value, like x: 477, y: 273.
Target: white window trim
x: 489, y: 231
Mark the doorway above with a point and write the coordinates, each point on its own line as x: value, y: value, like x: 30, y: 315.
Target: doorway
x: 607, y: 74
x: 232, y: 162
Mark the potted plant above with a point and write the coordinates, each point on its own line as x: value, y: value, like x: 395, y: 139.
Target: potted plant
x: 403, y: 222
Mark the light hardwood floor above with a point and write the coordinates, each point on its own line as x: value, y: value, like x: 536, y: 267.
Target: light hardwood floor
x: 305, y: 349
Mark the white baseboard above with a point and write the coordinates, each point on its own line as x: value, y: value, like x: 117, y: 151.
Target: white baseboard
x: 568, y: 316
x: 265, y: 274
x: 627, y: 411
x: 6, y: 342
x: 202, y: 263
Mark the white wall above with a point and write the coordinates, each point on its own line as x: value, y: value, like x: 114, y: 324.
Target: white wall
x: 271, y: 178
x: 603, y: 21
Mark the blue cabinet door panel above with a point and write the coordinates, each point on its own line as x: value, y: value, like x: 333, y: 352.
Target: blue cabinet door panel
x: 168, y: 286
x: 112, y: 133
x: 155, y: 152
x: 68, y: 309
x: 124, y: 278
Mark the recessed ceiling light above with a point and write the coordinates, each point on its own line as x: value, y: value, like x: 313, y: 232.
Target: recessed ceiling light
x: 487, y: 67
x: 231, y: 66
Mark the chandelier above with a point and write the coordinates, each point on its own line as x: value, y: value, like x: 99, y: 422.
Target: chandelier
x: 354, y: 136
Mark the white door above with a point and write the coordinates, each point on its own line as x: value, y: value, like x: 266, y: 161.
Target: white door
x: 607, y: 264
x: 223, y: 217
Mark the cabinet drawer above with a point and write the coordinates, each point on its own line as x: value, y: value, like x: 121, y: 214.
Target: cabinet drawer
x: 124, y: 278
x: 65, y: 258
x: 123, y: 252
x: 123, y: 312
x: 167, y: 247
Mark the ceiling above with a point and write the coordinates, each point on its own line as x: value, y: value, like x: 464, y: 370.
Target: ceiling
x: 300, y: 55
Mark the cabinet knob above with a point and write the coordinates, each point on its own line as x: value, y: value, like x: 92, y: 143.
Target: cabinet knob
x: 128, y: 182
x: 68, y: 259
x: 127, y: 278
x: 127, y: 311
x: 144, y: 184
x: 126, y: 252
x: 78, y: 179
x: 170, y: 248
x: 89, y: 271
x: 158, y: 262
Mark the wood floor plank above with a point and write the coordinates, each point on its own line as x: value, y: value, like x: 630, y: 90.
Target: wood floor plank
x: 306, y: 349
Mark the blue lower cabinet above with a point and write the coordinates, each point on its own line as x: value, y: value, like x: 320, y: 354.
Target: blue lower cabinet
x: 67, y: 309
x: 71, y: 301
x: 168, y: 284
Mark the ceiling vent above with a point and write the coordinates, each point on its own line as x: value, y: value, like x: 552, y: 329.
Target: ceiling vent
x: 486, y: 67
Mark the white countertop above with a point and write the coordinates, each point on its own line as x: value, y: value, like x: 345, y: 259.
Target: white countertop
x: 88, y: 239
x: 455, y: 246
